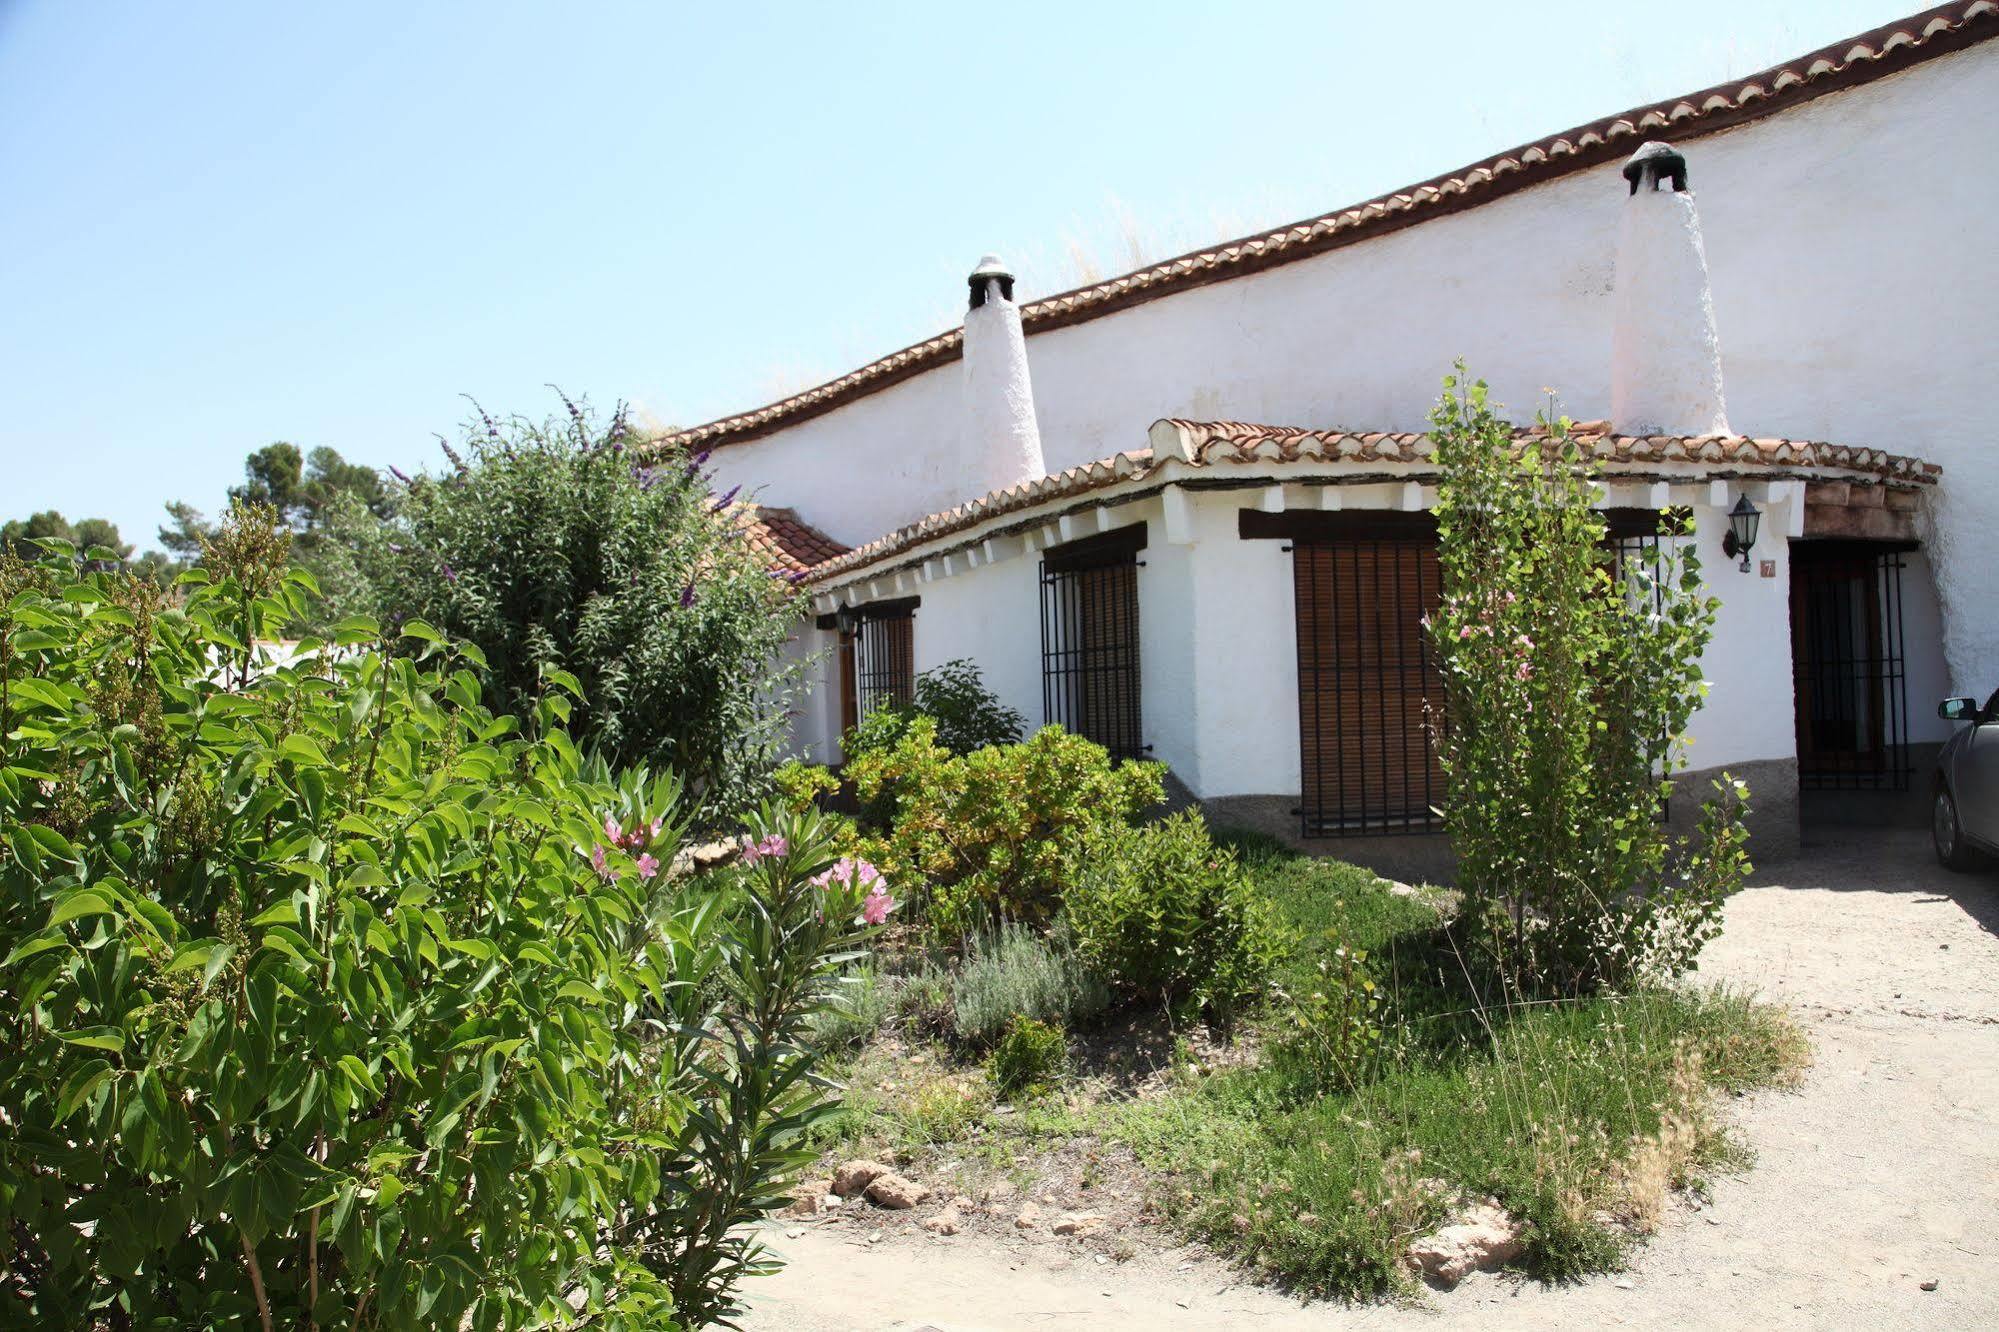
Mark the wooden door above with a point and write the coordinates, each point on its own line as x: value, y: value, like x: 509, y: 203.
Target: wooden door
x: 1368, y: 685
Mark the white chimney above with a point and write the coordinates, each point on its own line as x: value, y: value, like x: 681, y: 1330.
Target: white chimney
x: 1665, y: 366
x: 1002, y: 442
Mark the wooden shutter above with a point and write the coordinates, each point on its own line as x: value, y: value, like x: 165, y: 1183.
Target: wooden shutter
x: 1367, y: 682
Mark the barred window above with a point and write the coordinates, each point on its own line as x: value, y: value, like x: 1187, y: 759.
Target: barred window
x: 1089, y: 639
x: 877, y: 657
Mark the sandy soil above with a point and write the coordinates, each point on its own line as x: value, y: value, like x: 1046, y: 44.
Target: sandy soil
x: 1879, y: 1174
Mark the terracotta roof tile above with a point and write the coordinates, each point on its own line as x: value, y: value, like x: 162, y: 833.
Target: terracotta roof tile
x: 1885, y: 50
x: 1203, y: 444
x: 787, y: 543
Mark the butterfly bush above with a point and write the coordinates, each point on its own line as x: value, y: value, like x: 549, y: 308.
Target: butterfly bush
x: 620, y: 585
x: 1569, y: 682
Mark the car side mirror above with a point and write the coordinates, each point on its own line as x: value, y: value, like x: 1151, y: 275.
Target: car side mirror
x: 1958, y: 709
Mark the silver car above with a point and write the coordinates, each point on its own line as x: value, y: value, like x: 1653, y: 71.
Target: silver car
x: 1964, y: 820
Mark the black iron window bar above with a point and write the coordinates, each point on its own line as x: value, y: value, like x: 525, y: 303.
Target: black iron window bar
x: 1369, y: 688
x: 884, y: 661
x: 1090, y: 681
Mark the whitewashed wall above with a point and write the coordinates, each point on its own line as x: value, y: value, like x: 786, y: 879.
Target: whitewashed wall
x: 814, y: 708
x: 1218, y: 642
x: 1850, y: 243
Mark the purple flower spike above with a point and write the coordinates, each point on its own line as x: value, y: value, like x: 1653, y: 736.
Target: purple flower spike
x: 723, y: 502
x: 450, y: 574
x: 397, y: 473
x: 687, y: 597
x: 395, y: 548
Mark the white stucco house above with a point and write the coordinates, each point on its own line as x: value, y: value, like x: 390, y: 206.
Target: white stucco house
x: 1186, y: 511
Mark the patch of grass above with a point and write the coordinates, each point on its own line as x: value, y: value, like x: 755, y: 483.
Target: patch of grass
x: 1544, y: 1117
x: 1578, y: 1116
x: 901, y: 1100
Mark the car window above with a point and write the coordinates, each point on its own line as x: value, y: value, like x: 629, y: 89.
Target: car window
x: 1991, y: 712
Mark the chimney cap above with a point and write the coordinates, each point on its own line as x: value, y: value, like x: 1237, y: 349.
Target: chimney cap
x: 991, y: 269
x: 1654, y: 162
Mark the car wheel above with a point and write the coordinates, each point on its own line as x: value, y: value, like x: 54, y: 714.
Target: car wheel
x: 1948, y: 835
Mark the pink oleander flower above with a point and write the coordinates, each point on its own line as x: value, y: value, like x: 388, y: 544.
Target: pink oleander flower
x: 1465, y: 632
x: 599, y: 863
x: 877, y: 904
x: 1526, y: 671
x: 612, y: 830
x: 769, y: 848
x: 648, y: 866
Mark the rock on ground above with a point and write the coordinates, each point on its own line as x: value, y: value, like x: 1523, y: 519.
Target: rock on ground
x: 855, y: 1176
x: 896, y: 1193
x: 1078, y: 1223
x: 1483, y: 1238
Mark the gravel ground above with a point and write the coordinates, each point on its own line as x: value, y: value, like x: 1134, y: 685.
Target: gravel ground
x: 1879, y: 1174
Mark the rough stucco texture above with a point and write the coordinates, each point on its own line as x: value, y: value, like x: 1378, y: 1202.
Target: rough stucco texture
x: 1666, y: 376
x: 1857, y: 302
x: 1001, y: 443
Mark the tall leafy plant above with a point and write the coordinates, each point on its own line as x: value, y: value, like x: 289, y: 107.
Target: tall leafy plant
x: 551, y: 546
x: 332, y: 998
x: 1569, y: 683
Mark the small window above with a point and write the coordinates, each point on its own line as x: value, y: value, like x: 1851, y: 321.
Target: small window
x: 1089, y: 639
x: 885, y: 660
x: 877, y: 657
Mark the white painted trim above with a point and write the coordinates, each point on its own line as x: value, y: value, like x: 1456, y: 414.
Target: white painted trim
x: 1179, y: 512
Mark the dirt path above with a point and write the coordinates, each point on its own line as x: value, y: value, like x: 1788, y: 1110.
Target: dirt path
x: 1881, y: 1173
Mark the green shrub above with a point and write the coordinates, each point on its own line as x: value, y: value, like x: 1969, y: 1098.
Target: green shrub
x: 1327, y: 1035
x: 800, y: 786
x: 1160, y: 911
x: 552, y: 547
x: 1569, y: 684
x: 330, y: 995
x: 1013, y: 972
x: 1029, y: 1058
x: 989, y: 834
x: 969, y: 716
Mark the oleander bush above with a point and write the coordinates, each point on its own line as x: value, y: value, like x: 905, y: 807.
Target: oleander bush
x: 333, y: 998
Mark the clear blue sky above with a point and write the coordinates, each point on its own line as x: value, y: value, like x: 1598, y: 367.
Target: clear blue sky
x: 222, y: 225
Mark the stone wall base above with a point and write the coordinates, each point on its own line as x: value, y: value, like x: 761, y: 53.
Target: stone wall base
x: 1428, y: 858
